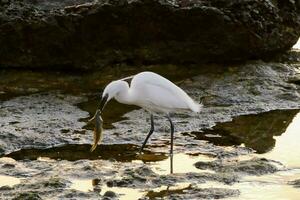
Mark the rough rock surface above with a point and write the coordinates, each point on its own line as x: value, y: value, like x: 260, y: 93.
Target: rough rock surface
x: 45, y: 119
x: 251, y: 167
x: 45, y: 141
x: 94, y: 34
x: 31, y: 122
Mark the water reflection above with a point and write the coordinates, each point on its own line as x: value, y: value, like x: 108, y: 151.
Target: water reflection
x: 287, y: 148
x: 254, y: 131
x: 73, y: 152
x: 86, y: 185
x: 182, y: 163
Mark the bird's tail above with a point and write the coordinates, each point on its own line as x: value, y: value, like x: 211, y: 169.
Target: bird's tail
x: 196, y: 107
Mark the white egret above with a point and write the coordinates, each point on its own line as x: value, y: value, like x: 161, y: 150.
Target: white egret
x: 152, y: 92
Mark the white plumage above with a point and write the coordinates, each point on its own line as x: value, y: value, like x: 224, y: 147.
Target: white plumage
x: 151, y: 92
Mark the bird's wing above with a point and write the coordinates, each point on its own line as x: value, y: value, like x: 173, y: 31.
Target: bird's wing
x: 161, y: 92
x: 127, y: 79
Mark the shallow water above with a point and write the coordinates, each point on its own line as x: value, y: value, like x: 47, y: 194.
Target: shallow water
x: 124, y: 193
x: 255, y: 131
x: 8, y: 181
x: 286, y: 149
x: 271, y: 186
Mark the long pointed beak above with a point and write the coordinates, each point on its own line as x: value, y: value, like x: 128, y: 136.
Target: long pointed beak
x: 103, y: 103
x: 99, y: 109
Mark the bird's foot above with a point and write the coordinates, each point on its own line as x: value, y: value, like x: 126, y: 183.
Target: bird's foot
x: 140, y: 151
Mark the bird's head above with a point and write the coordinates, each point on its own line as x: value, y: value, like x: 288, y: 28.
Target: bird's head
x: 110, y: 91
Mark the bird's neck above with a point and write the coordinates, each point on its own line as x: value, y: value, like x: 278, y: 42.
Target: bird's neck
x: 124, y: 95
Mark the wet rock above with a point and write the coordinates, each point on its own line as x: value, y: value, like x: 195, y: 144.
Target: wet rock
x: 140, y: 177
x: 124, y: 182
x: 144, y: 171
x: 133, y: 179
x: 1, y: 151
x: 55, y: 183
x: 40, y: 118
x: 295, y: 183
x: 295, y: 79
x: 63, y: 34
x: 8, y: 165
x: 191, y: 192
x: 5, y: 188
x: 96, y: 181
x: 225, y: 178
x: 256, y: 166
x: 28, y: 196
x: 74, y: 194
x: 211, y: 193
x: 109, y: 195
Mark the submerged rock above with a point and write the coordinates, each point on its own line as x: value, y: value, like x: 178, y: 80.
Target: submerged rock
x: 295, y: 183
x: 92, y: 34
x: 110, y: 195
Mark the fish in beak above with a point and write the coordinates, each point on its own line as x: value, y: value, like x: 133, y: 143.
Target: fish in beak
x: 98, y: 130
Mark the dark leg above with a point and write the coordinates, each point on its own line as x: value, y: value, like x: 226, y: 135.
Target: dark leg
x: 149, y: 134
x: 172, y: 138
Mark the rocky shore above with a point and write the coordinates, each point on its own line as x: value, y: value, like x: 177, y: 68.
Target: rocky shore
x: 92, y: 34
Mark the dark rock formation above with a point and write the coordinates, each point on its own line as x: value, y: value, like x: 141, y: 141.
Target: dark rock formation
x: 94, y: 34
